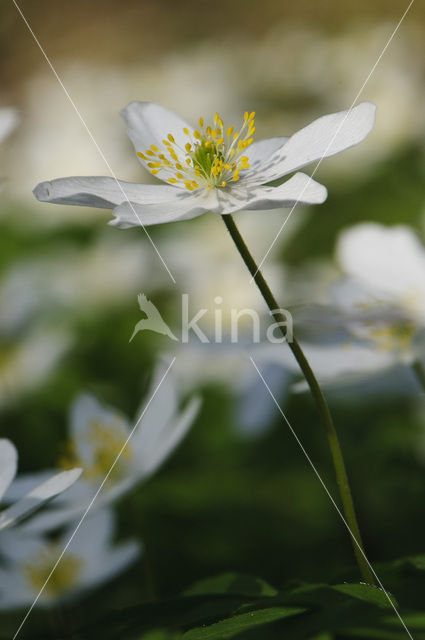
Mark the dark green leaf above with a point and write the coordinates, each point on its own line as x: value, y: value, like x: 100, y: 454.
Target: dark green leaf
x: 232, y: 583
x: 235, y: 625
x: 368, y: 593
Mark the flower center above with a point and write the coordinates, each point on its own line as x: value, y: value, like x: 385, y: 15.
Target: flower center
x: 397, y: 337
x: 37, y: 571
x: 211, y: 157
x: 105, y: 442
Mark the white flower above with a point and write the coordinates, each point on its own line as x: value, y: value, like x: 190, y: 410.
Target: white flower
x: 384, y: 287
x: 213, y: 168
x: 89, y: 561
x: 97, y: 436
x: 377, y: 308
x: 32, y: 500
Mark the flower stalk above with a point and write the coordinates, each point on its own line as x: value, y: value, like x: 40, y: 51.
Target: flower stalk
x: 319, y: 398
x: 419, y: 370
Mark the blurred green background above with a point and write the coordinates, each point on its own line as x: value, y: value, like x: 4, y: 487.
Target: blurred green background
x: 226, y: 500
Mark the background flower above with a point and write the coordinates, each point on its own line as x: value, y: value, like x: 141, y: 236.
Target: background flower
x: 87, y: 563
x: 37, y: 495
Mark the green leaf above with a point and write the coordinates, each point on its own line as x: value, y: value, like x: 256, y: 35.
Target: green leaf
x: 160, y: 634
x: 243, y: 622
x: 232, y: 583
x: 367, y: 593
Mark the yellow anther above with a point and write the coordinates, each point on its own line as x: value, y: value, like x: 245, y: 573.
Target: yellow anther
x: 197, y: 135
x: 236, y: 135
x: 246, y: 116
x: 188, y: 161
x: 173, y: 154
x: 150, y: 153
x: 248, y: 142
x: 188, y: 146
x: 172, y: 180
x: 220, y: 122
x: 216, y: 117
x: 220, y: 141
x: 154, y: 148
x: 252, y: 115
x: 227, y: 166
x: 186, y: 131
x: 180, y: 176
x: 178, y: 166
x: 209, y: 131
x: 223, y: 184
x: 201, y: 122
x: 166, y: 143
x: 154, y: 171
x: 195, y: 184
x: 229, y: 131
x: 141, y: 155
x: 171, y: 138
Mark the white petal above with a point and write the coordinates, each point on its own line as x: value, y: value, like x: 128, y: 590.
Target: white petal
x: 97, y: 191
x: 35, y: 498
x: 322, y: 138
x: 94, y: 535
x: 188, y: 205
x: 166, y: 440
x: 389, y: 260
x: 158, y: 407
x: 52, y: 519
x: 329, y: 362
x: 150, y: 123
x: 300, y: 189
x: 25, y: 482
x: 112, y: 562
x: 8, y: 121
x: 259, y: 155
x: 8, y: 464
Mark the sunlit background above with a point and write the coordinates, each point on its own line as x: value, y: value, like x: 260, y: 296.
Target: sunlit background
x: 238, y: 494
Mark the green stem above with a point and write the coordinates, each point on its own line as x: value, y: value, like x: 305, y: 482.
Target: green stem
x: 419, y: 370
x: 322, y: 405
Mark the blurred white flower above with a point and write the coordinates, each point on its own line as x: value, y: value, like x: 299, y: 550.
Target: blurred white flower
x: 385, y: 269
x: 37, y: 496
x: 90, y: 560
x: 99, y: 443
x: 75, y: 281
x: 26, y: 364
x: 376, y: 312
x: 211, y: 169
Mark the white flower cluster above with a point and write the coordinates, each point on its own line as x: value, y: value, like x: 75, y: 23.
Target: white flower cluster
x: 104, y: 448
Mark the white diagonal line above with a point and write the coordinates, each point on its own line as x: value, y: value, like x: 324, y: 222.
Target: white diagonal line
x: 80, y: 522
x: 335, y: 135
x: 319, y: 477
x: 83, y: 122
